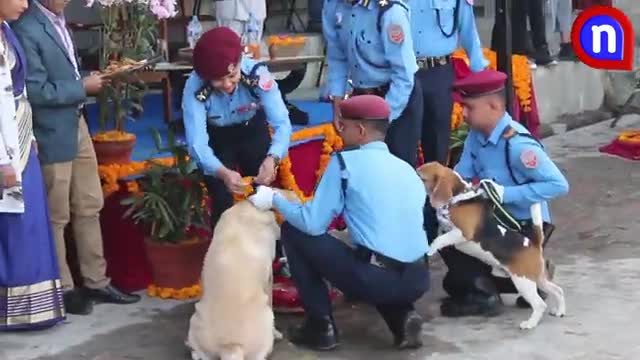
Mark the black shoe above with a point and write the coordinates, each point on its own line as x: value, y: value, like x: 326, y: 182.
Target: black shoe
x: 316, y: 334
x: 410, y: 335
x: 110, y: 294
x: 472, y: 305
x: 75, y: 302
x: 567, y: 53
x: 542, y: 57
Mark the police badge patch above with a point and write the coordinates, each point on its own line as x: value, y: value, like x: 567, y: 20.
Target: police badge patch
x: 396, y: 34
x: 265, y: 82
x: 529, y: 159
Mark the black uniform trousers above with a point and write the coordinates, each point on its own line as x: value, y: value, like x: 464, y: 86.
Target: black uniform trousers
x: 403, y: 135
x: 314, y: 259
x: 242, y: 148
x: 521, y: 41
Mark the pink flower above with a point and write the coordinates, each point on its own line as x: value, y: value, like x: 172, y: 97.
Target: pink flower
x: 163, y: 9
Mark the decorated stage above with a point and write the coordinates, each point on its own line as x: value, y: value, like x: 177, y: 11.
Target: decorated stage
x: 310, y: 150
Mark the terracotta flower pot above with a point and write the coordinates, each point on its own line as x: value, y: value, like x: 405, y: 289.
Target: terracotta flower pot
x: 176, y: 266
x: 114, y: 151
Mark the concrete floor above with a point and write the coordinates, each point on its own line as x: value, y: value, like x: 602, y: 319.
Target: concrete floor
x: 596, y: 248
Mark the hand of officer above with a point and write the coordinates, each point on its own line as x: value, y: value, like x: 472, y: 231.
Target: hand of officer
x: 233, y: 180
x: 498, y: 190
x: 8, y: 174
x: 263, y: 198
x: 267, y: 171
x: 93, y: 83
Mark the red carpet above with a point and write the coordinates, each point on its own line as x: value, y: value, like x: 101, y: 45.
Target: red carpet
x: 127, y: 264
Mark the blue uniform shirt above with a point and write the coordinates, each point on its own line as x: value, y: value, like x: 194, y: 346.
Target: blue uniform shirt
x: 539, y: 178
x: 383, y: 207
x: 222, y: 109
x: 372, y: 58
x: 428, y: 37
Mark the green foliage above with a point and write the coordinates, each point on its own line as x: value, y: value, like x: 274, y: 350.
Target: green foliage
x: 458, y: 136
x: 171, y: 201
x: 130, y: 31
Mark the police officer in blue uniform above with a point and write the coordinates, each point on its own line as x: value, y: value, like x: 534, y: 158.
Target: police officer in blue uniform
x: 228, y: 102
x: 438, y: 27
x: 500, y: 151
x: 369, y: 42
x: 381, y: 198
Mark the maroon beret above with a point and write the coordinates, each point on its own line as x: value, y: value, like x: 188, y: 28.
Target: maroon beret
x: 365, y: 107
x: 478, y: 84
x: 217, y: 53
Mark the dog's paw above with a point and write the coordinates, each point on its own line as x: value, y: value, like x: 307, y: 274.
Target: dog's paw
x: 528, y: 324
x: 557, y: 312
x: 195, y: 355
x: 431, y: 252
x: 277, y: 335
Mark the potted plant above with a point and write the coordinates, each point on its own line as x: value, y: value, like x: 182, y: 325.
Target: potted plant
x: 172, y: 204
x: 130, y: 33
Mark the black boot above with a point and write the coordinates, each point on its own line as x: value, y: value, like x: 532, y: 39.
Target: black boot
x: 482, y: 300
x: 404, y: 323
x: 75, y: 302
x: 316, y: 334
x: 567, y: 53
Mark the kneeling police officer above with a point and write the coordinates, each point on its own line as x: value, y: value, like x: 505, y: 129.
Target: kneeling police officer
x: 381, y: 197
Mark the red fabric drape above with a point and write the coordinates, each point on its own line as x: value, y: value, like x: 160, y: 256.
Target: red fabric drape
x: 625, y: 150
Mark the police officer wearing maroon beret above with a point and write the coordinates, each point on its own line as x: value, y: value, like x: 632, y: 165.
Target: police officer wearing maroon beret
x: 229, y: 100
x: 501, y: 154
x: 381, y: 197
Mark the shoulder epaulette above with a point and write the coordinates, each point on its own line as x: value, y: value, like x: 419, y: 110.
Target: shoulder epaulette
x: 204, y: 92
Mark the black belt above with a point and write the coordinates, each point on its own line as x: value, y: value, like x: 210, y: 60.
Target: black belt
x: 374, y: 258
x: 379, y: 91
x: 433, y: 61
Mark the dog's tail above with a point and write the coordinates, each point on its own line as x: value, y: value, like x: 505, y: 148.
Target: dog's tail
x: 538, y: 229
x: 231, y: 352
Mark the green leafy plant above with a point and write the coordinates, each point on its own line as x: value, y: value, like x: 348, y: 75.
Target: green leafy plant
x: 458, y: 136
x: 171, y: 200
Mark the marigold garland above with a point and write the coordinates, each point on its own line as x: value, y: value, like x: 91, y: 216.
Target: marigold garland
x: 190, y: 292
x: 109, y: 174
x: 113, y: 135
x: 630, y: 137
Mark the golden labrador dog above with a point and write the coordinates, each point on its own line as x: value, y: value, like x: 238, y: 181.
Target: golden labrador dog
x: 475, y: 231
x: 234, y: 320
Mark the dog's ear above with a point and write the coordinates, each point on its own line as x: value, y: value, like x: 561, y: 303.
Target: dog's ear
x: 442, y: 192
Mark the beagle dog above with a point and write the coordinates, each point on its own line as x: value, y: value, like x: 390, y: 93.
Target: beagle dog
x: 475, y: 231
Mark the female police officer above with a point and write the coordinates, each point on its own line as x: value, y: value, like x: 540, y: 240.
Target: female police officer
x: 226, y: 101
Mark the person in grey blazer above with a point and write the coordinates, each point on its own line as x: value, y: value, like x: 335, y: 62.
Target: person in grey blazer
x: 57, y: 93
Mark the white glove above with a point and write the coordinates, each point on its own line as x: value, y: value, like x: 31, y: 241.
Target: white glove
x: 497, y: 189
x: 263, y: 198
